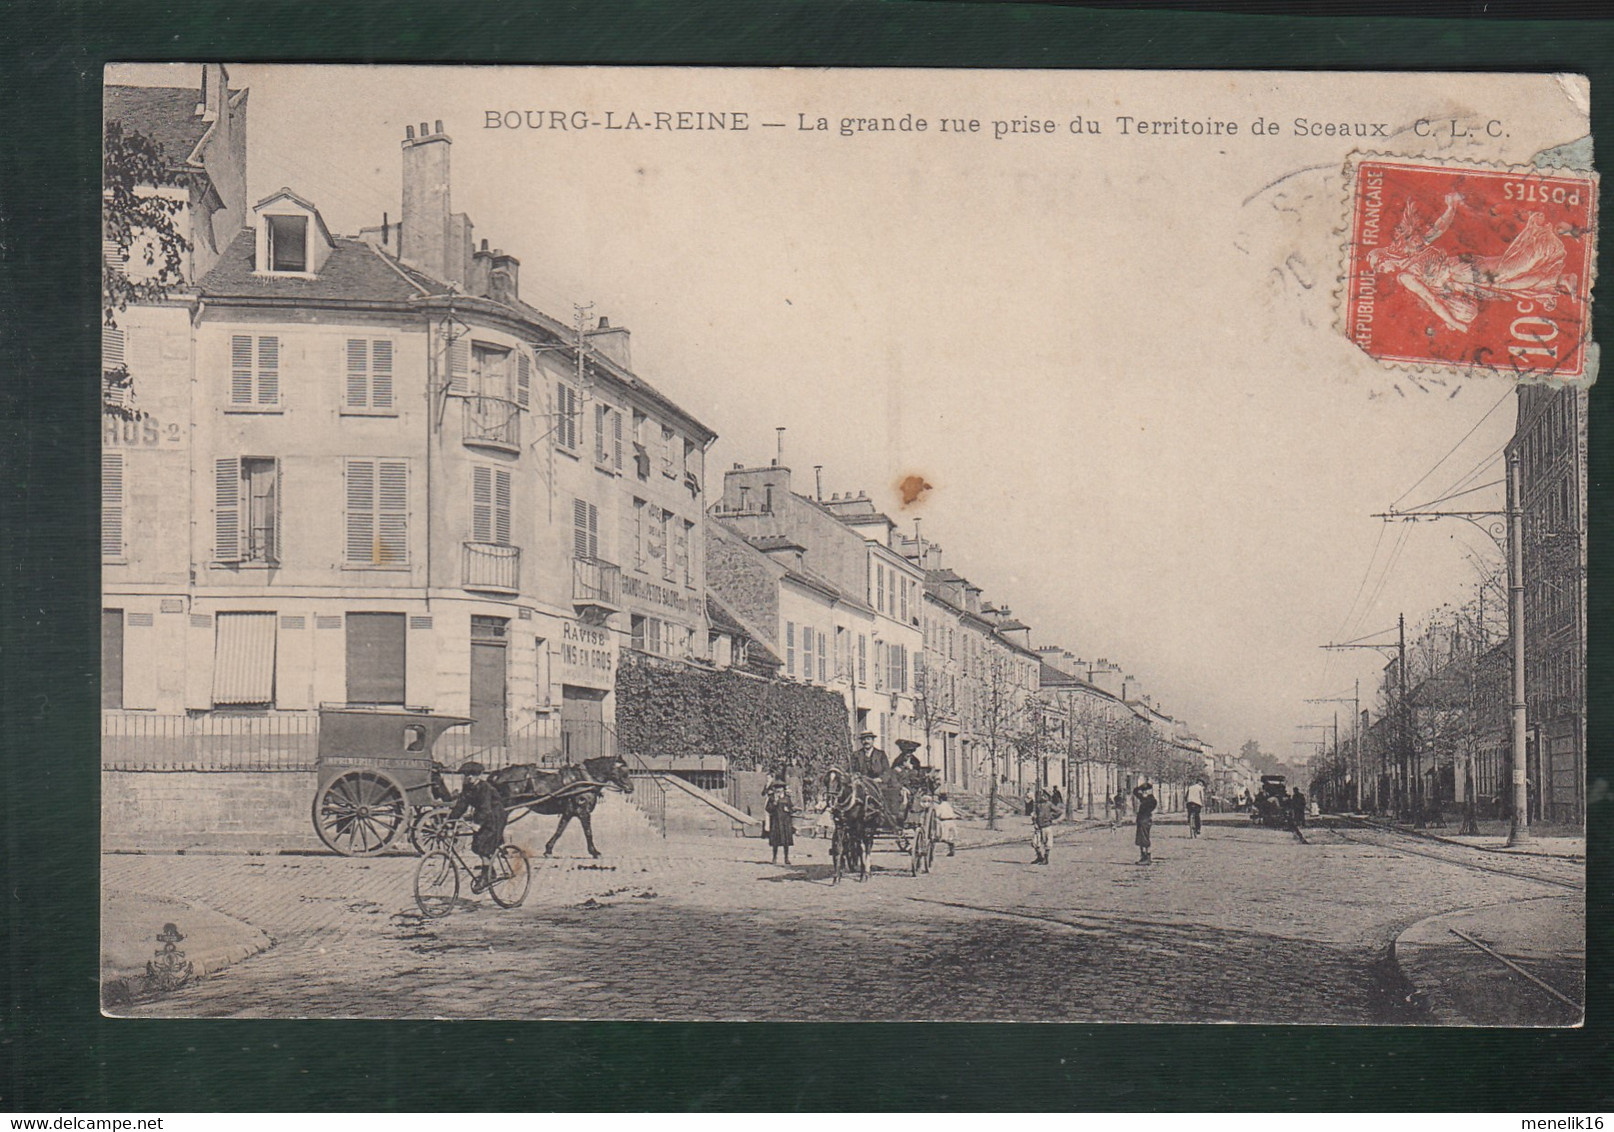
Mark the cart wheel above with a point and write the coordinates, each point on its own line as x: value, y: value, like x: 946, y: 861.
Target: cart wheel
x: 924, y: 849
x: 437, y: 884
x: 431, y: 830
x: 360, y: 813
x: 914, y: 856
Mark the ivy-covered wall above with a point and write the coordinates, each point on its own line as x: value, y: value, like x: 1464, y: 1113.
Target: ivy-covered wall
x: 664, y: 710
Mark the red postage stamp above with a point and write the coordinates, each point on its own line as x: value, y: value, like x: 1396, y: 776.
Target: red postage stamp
x: 1461, y: 267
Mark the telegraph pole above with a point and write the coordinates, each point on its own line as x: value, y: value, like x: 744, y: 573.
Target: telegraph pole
x: 1403, y: 723
x: 1355, y: 700
x: 1519, y: 830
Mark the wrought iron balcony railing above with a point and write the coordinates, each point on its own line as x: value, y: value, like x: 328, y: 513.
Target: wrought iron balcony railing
x: 493, y: 422
x: 596, y: 582
x: 489, y: 566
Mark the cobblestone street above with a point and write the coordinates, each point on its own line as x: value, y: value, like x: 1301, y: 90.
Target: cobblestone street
x: 1245, y: 924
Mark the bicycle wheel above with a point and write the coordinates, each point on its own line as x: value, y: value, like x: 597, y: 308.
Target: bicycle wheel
x: 437, y: 884
x: 511, y: 877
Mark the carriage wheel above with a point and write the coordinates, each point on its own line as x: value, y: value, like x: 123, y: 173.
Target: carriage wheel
x: 437, y: 884
x: 511, y: 877
x: 924, y: 849
x: 914, y: 856
x: 431, y: 830
x: 360, y: 813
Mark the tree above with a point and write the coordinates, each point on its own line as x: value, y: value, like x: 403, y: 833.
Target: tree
x: 142, y: 249
x: 1001, y: 705
x: 932, y: 702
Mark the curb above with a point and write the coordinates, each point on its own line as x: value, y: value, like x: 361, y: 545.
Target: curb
x: 122, y: 990
x: 1427, y: 836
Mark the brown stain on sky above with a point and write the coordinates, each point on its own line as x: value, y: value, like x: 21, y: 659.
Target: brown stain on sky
x: 912, y: 489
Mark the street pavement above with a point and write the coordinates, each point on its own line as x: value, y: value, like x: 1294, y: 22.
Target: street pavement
x: 1245, y: 924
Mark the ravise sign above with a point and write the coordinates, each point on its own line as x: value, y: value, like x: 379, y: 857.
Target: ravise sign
x: 587, y: 654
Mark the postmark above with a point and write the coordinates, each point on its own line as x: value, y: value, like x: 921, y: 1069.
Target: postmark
x: 1462, y: 267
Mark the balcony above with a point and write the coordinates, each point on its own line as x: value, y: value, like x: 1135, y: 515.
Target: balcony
x: 491, y: 568
x: 595, y: 588
x: 492, y: 422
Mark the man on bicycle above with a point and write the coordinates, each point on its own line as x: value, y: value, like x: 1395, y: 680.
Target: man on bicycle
x: 486, y: 806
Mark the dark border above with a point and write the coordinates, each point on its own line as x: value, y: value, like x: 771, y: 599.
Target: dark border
x: 58, y: 1054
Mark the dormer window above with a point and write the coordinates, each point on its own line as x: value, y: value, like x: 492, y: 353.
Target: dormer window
x: 288, y: 243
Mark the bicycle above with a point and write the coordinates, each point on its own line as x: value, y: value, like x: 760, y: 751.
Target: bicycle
x: 437, y: 877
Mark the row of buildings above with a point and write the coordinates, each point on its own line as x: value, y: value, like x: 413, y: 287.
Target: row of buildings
x: 1438, y: 739
x: 363, y: 470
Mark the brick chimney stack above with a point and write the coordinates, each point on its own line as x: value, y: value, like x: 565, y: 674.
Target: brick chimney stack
x: 424, y: 231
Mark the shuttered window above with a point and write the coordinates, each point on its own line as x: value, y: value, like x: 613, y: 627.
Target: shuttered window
x: 565, y: 416
x: 523, y: 381
x: 490, y: 505
x: 585, y: 530
x: 254, y: 370
x: 377, y: 516
x: 112, y: 347
x: 246, y: 509
x: 112, y: 505
x: 244, y: 660
x: 369, y: 374
x: 790, y: 648
x: 686, y: 535
x: 375, y: 658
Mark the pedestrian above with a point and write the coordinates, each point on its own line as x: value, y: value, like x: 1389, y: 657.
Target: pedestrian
x: 1196, y: 804
x: 1118, y: 804
x: 1143, y: 793
x: 946, y: 823
x: 1297, y: 808
x: 781, y: 819
x: 1056, y: 798
x: 1042, y: 817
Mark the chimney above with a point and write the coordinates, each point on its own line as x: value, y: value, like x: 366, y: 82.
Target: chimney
x: 478, y: 278
x: 215, y: 92
x: 423, y: 235
x: 504, y: 277
x: 613, y: 342
x: 457, y: 252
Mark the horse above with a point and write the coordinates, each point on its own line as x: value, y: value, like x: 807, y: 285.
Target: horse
x: 570, y: 791
x: 857, y: 808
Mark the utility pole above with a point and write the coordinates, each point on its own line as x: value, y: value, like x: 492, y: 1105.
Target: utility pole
x: 1519, y: 830
x: 1403, y: 722
x: 1355, y: 700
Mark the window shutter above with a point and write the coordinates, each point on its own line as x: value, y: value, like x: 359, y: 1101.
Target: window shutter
x: 381, y: 374
x: 593, y: 531
x: 579, y: 529
x: 111, y: 504
x: 616, y: 438
x: 111, y: 347
x: 501, y: 507
x: 241, y: 369
x: 392, y: 519
x: 358, y: 374
x: 268, y: 370
x: 227, y: 510
x: 361, y: 534
x: 276, y: 537
x: 481, y: 504
x: 459, y: 367
x: 523, y: 381
x: 600, y: 412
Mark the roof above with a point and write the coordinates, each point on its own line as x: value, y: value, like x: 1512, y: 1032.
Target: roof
x: 766, y: 543
x: 354, y: 272
x: 165, y: 114
x: 758, y: 654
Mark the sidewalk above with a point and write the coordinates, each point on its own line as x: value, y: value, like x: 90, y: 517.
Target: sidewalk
x: 1493, y: 838
x: 1461, y: 985
x: 131, y: 922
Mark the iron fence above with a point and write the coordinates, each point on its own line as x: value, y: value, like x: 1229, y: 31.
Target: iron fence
x: 493, y: 421
x: 139, y: 741
x: 491, y: 566
x: 538, y: 742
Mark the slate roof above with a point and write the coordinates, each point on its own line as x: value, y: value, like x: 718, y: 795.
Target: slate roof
x: 165, y: 114
x: 354, y: 271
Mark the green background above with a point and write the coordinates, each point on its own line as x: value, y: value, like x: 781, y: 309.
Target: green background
x: 58, y: 1054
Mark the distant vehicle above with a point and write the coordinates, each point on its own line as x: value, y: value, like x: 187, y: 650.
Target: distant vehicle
x: 1270, y: 805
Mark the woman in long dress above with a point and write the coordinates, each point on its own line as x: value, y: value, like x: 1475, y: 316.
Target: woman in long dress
x: 781, y: 819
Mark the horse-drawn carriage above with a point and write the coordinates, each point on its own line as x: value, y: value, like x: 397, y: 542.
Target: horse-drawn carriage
x: 896, y: 813
x: 1270, y: 805
x: 377, y: 782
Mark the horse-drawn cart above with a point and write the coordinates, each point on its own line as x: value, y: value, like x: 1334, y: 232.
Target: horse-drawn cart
x: 568, y: 792
x: 879, y: 816
x: 376, y: 775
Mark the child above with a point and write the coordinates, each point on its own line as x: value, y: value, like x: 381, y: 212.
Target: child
x: 946, y: 823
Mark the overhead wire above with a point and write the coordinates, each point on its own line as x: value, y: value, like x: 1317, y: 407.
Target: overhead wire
x: 1436, y: 465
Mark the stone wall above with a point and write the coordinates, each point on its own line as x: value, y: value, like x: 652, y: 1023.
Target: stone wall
x: 265, y: 810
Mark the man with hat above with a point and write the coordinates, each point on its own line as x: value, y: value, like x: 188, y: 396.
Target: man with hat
x: 781, y: 813
x: 867, y: 759
x: 486, y: 806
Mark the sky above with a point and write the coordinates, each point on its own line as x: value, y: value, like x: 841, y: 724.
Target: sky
x: 1115, y: 357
